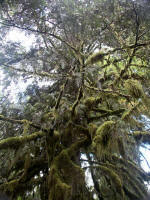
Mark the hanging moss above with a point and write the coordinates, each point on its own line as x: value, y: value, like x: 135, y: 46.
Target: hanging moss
x: 134, y: 184
x: 92, y: 101
x: 134, y: 88
x: 80, y: 111
x: 115, y: 179
x: 126, y: 115
x: 47, y: 116
x: 26, y: 167
x: 106, y: 191
x: 92, y: 130
x: 95, y: 57
x: 26, y: 126
x: 67, y: 134
x: 103, y: 139
x: 63, y: 171
x: 58, y: 189
x: 121, y: 147
x: 104, y: 131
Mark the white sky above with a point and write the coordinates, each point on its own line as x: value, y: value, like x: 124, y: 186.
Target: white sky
x: 16, y: 35
x: 26, y: 41
x: 146, y: 154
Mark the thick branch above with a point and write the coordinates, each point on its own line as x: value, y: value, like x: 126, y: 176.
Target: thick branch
x: 13, y: 142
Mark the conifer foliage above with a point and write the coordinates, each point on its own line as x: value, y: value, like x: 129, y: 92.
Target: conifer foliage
x: 84, y: 114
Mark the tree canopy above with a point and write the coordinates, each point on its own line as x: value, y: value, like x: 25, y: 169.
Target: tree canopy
x: 84, y: 113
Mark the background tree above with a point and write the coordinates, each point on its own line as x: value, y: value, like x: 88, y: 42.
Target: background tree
x: 91, y: 112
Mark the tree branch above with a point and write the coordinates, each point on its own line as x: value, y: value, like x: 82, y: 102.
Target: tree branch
x: 22, y: 122
x: 14, y: 142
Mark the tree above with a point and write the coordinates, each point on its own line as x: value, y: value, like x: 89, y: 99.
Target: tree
x: 91, y: 114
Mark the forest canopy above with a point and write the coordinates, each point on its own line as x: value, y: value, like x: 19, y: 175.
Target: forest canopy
x: 75, y: 129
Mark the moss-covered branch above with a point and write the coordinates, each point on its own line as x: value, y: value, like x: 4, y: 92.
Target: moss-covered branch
x: 114, y: 177
x: 24, y: 183
x: 64, y: 171
x: 35, y: 73
x: 3, y: 118
x: 15, y: 188
x: 131, y: 165
x: 14, y: 142
x: 61, y: 93
x: 107, y: 114
x: 144, y: 135
x: 116, y: 92
x: 79, y: 96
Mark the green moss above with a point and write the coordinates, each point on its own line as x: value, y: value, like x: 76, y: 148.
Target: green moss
x: 94, y: 58
x: 58, y: 189
x: 104, y: 132
x: 27, y: 163
x: 80, y: 111
x: 92, y: 130
x: 89, y: 101
x: 12, y: 185
x: 141, y: 133
x: 92, y: 101
x: 19, y: 198
x: 62, y: 173
x: 121, y: 147
x: 56, y: 134
x: 47, y: 116
x: 14, y: 142
x: 126, y: 115
x: 134, y: 88
x: 105, y: 127
x: 115, y: 179
x: 102, y: 141
x: 26, y: 126
x: 67, y: 134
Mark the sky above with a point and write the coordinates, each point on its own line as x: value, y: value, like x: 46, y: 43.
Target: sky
x: 16, y: 35
x: 26, y: 41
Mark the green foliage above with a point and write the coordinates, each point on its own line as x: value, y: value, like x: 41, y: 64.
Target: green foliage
x: 87, y: 80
